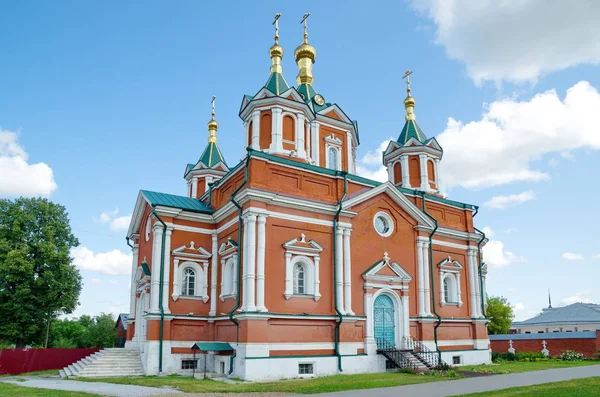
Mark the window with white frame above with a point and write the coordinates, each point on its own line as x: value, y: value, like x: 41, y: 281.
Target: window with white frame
x: 333, y: 152
x: 450, y: 291
x: 190, y: 272
x: 228, y: 253
x: 188, y: 284
x: 332, y: 158
x: 306, y: 369
x: 228, y: 287
x: 302, y: 268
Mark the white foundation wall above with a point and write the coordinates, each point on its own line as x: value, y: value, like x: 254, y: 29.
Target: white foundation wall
x: 468, y: 357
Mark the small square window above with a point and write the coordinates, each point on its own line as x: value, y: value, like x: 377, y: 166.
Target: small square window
x: 305, y: 369
x: 456, y: 360
x: 389, y: 364
x: 189, y: 364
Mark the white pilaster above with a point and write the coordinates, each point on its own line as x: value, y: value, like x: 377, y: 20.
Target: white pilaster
x: 437, y: 174
x: 458, y: 290
x: 207, y: 181
x: 477, y: 284
x: 317, y: 279
x: 134, y: 265
x: 176, y: 279
x: 347, y: 274
x: 339, y: 259
x: 424, y: 178
x: 167, y: 270
x: 276, y: 130
x: 195, y: 187
x: 427, y: 278
x: 244, y: 261
x: 289, y: 277
x: 251, y: 268
x: 300, y: 144
x: 247, y: 137
x: 314, y: 128
x: 421, y: 278
x: 390, y: 170
x: 370, y: 344
x: 442, y: 297
x: 260, y: 264
x: 471, y: 265
x: 214, y: 262
x: 155, y: 271
x: 349, y: 150
x: 255, y: 130
x: 405, y: 317
x: 405, y: 174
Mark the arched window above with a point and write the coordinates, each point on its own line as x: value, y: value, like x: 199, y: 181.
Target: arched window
x: 333, y: 158
x: 450, y: 289
x: 228, y: 278
x: 299, y: 279
x: 446, y: 292
x: 189, y: 283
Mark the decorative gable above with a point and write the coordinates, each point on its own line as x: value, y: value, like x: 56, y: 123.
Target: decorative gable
x: 333, y: 139
x: 228, y: 248
x: 386, y: 271
x: 449, y: 265
x: 301, y: 246
x: 191, y: 252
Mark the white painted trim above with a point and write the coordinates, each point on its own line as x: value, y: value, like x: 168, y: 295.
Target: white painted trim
x: 388, y: 219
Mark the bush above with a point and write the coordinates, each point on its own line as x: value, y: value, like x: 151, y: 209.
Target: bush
x: 530, y: 356
x: 570, y: 355
x: 407, y: 370
x: 503, y: 356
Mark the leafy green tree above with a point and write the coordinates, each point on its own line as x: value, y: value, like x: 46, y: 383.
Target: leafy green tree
x: 37, y: 279
x: 69, y: 333
x: 501, y: 315
x: 102, y: 333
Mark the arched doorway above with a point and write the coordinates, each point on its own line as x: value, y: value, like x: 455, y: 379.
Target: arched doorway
x: 384, y: 317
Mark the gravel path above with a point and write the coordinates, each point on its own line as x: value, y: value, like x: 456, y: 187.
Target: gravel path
x: 105, y: 389
x: 475, y: 385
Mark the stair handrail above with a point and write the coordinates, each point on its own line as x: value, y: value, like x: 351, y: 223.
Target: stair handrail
x: 430, y: 358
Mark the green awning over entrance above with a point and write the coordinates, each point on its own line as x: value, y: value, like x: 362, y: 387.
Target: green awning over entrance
x: 213, y: 346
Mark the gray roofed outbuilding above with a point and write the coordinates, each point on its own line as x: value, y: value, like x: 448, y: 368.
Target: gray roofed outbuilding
x: 574, y: 313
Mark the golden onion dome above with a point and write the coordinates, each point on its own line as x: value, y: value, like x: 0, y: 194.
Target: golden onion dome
x: 213, y: 125
x: 276, y: 51
x: 409, y: 101
x: 305, y: 50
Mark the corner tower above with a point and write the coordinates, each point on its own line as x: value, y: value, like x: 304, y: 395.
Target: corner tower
x: 412, y: 160
x: 211, y: 166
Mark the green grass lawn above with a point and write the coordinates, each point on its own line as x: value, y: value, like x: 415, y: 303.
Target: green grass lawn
x: 511, y: 367
x: 298, y: 386
x: 585, y: 387
x: 8, y: 390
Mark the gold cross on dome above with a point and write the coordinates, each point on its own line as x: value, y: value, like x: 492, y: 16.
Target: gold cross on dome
x: 304, y: 18
x: 212, y: 102
x: 407, y: 77
x: 276, y: 23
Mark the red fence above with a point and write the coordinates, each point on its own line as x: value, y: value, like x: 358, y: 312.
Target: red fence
x: 586, y: 343
x: 18, y: 361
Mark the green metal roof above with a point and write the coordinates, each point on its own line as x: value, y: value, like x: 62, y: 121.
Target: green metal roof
x: 411, y: 130
x: 308, y: 93
x: 146, y: 269
x: 213, y: 346
x: 212, y: 155
x: 276, y: 84
x: 171, y: 200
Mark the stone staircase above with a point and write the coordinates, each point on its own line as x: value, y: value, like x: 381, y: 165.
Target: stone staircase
x: 106, y: 363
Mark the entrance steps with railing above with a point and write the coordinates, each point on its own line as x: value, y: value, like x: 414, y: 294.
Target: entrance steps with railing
x: 106, y: 363
x: 414, y: 355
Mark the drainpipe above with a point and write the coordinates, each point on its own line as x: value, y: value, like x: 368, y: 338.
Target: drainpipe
x: 480, y: 265
x: 432, y: 277
x: 239, y: 266
x: 160, y: 289
x: 335, y: 264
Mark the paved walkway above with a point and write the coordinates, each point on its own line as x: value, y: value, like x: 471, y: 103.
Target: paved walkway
x: 475, y: 385
x: 105, y: 389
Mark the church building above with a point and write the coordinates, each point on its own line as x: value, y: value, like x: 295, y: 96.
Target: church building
x: 290, y: 264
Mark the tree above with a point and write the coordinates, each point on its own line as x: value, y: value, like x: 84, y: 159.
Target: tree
x: 103, y: 334
x: 37, y: 279
x: 501, y: 315
x: 69, y: 333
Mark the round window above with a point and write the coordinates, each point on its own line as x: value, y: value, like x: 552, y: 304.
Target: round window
x: 383, y: 224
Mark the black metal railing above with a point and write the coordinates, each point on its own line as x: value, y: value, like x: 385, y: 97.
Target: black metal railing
x: 430, y: 359
x: 412, y: 354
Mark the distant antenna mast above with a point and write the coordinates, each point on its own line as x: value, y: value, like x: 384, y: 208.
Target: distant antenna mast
x: 549, y: 300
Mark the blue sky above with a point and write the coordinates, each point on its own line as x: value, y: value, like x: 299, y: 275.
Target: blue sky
x: 101, y: 99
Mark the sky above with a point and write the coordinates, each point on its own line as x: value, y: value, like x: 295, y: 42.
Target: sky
x: 101, y: 99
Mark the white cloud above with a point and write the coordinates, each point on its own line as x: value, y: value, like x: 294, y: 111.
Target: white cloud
x: 515, y: 41
x: 512, y: 134
x: 501, y: 202
x: 488, y: 231
x: 112, y: 262
x: 495, y: 255
x: 518, y: 307
x: 578, y: 297
x: 17, y: 176
x: 597, y: 256
x: 371, y: 164
x: 116, y: 223
x: 511, y: 230
x: 570, y: 256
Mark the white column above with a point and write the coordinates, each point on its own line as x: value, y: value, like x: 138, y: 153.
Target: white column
x: 207, y: 181
x: 405, y: 318
x: 349, y: 150
x: 347, y: 274
x: 442, y: 300
x: 420, y: 272
x: 427, y: 278
x: 477, y: 284
x: 339, y: 259
x: 251, y: 268
x: 470, y: 265
x: 276, y: 130
x: 390, y: 171
x: 317, y: 279
x: 167, y: 271
x: 458, y: 290
x: 424, y: 178
x: 308, y: 141
x: 246, y: 133
x: 405, y: 174
x: 300, y: 145
x: 314, y: 132
x: 195, y: 187
x: 134, y: 265
x: 368, y: 302
x: 260, y: 265
x: 289, y: 276
x: 155, y: 271
x: 176, y: 278
x: 214, y: 263
x: 244, y: 261
x: 437, y: 174
x: 255, y: 130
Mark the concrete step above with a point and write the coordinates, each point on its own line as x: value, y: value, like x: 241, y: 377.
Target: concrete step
x: 62, y: 373
x: 107, y: 363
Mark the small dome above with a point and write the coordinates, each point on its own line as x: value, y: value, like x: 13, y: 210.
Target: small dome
x: 276, y: 51
x: 305, y: 50
x: 409, y: 101
x: 213, y: 125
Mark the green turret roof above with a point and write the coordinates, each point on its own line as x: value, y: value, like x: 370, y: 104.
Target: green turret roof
x: 212, y: 155
x: 411, y: 130
x: 276, y: 84
x: 308, y: 93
